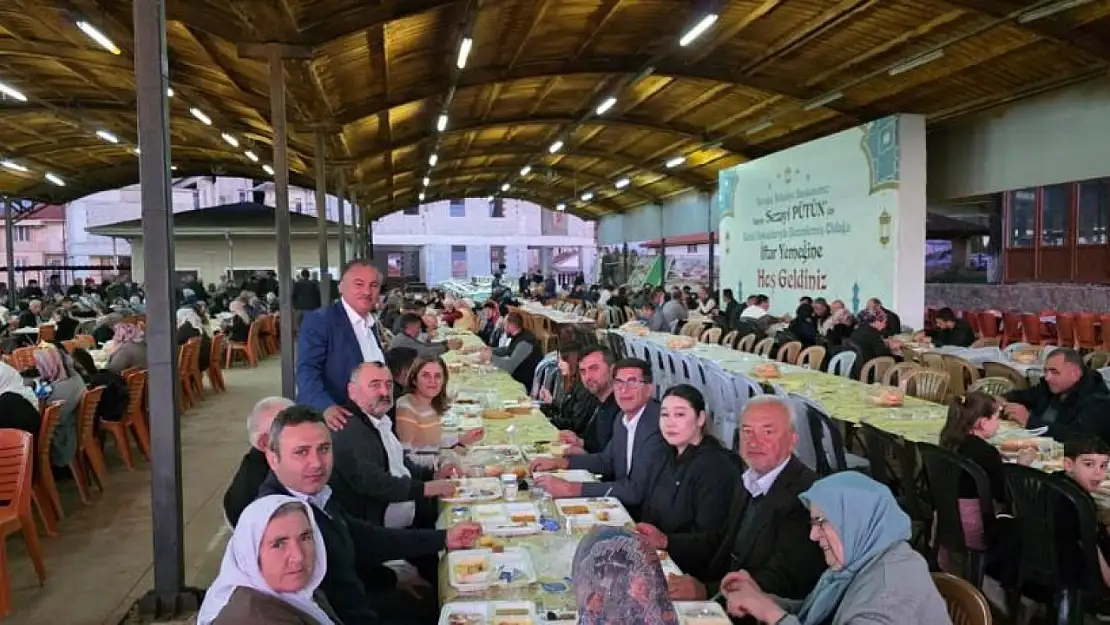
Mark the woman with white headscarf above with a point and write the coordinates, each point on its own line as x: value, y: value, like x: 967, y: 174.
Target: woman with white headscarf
x: 240, y: 325
x: 19, y: 407
x: 272, y: 568
x: 190, y: 325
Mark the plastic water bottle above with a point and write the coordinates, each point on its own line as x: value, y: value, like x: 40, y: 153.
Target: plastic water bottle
x: 509, y: 486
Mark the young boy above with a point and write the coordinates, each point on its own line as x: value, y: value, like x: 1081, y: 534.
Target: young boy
x: 1086, y: 461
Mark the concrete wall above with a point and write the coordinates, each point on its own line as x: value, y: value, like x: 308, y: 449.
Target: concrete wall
x: 209, y: 256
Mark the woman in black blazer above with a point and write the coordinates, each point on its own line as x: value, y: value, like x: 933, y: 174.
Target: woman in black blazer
x: 694, y: 486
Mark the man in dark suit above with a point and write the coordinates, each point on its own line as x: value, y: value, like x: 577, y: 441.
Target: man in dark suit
x: 300, y: 457
x: 336, y: 339
x: 634, y: 453
x: 306, y: 297
x: 950, y: 330
x: 767, y: 533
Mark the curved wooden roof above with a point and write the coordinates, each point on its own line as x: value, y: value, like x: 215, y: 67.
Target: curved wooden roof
x: 381, y: 73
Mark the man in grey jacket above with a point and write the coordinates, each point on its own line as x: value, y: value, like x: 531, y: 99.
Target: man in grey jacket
x: 409, y: 337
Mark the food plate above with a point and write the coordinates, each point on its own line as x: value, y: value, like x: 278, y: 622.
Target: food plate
x: 593, y: 511
x: 701, y: 613
x: 474, y: 570
x: 507, y: 519
x: 570, y: 475
x: 669, y: 567
x: 489, y: 613
x: 475, y: 489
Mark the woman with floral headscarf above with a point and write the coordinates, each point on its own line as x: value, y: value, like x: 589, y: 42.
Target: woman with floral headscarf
x: 67, y: 387
x: 130, y: 348
x: 618, y: 579
x: 874, y: 576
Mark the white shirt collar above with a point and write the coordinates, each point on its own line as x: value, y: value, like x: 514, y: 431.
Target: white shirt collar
x: 626, y: 420
x: 757, y: 484
x: 355, y: 318
x: 320, y: 499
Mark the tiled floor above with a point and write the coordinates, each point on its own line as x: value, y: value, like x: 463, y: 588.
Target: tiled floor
x: 101, y: 560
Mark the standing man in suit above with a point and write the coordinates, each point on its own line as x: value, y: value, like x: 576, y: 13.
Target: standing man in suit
x: 634, y: 453
x: 767, y: 532
x: 306, y: 297
x: 336, y: 339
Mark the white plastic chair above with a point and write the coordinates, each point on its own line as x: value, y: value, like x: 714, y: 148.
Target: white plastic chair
x: 842, y: 363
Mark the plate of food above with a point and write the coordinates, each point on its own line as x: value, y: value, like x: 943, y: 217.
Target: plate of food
x: 889, y: 398
x: 593, y: 511
x: 681, y: 342
x: 489, y: 613
x: 571, y: 475
x: 473, y: 570
x: 669, y: 567
x: 475, y: 489
x: 507, y: 519
x: 701, y: 613
x: 766, y: 370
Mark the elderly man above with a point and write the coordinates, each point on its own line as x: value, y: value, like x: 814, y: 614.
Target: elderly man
x: 299, y: 453
x: 409, y: 337
x: 253, y: 469
x: 634, y: 453
x: 335, y: 339
x: 1072, y: 400
x: 767, y: 533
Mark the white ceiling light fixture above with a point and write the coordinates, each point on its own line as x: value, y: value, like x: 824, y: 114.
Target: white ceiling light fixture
x: 12, y: 165
x: 433, y: 159
x: 915, y: 62
x: 252, y: 156
x: 622, y: 183
x: 760, y: 127
x: 427, y: 181
x: 421, y: 196
x: 98, y: 37
x: 524, y: 171
x: 676, y: 162
x: 199, y: 114
x: 505, y: 187
x: 107, y: 136
x: 12, y: 92
x: 441, y: 123
x: 136, y: 151
x: 587, y: 196
x: 1052, y: 9
x: 230, y: 140
x: 55, y: 180
x: 169, y: 92
x: 464, y: 52
x: 556, y: 146
x: 698, y: 30
x: 173, y: 167
x: 268, y: 169
x: 604, y: 107
x: 824, y: 100
x: 561, y: 206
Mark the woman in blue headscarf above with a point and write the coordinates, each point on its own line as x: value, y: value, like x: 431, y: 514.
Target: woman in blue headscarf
x: 618, y: 580
x: 874, y: 576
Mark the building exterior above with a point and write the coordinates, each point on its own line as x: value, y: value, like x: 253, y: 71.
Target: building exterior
x: 38, y: 241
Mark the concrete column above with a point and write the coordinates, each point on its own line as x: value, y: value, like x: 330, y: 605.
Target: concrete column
x: 281, y: 218
x: 322, y: 217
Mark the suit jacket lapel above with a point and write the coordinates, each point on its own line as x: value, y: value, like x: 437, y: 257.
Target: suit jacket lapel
x: 348, y: 331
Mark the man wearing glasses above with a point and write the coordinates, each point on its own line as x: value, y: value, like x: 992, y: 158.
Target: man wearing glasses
x: 631, y: 457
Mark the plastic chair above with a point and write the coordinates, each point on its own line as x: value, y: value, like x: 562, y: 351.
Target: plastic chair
x: 88, y: 447
x: 993, y: 386
x: 946, y: 471
x: 811, y: 357
x: 215, y: 371
x: 966, y: 605
x: 132, y: 420
x: 874, y: 371
x: 789, y: 352
x: 16, y: 457
x: 842, y: 363
x: 929, y: 384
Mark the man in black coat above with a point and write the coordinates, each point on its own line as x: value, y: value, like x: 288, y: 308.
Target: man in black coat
x: 767, y: 533
x: 1072, y: 400
x: 299, y: 453
x: 595, y: 370
x: 950, y: 330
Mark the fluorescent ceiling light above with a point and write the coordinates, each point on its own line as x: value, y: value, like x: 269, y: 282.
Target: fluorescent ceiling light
x: 12, y: 165
x: 561, y: 206
x: 606, y: 105
x: 698, y: 29
x: 824, y: 100
x: 12, y: 92
x: 441, y: 123
x: 622, y: 183
x: 427, y: 181
x: 98, y: 37
x: 524, y: 171
x: 54, y: 180
x: 107, y: 136
x: 556, y: 146
x: 232, y: 141
x: 169, y: 92
x: 915, y: 62
x: 464, y: 52
x: 268, y: 169
x: 490, y: 198
x: 136, y: 151
x: 675, y: 162
x: 760, y: 127
x: 173, y: 167
x: 1052, y: 9
x: 421, y: 196
x: 505, y: 187
x: 433, y: 159
x: 199, y: 114
x: 587, y: 196
x: 252, y: 156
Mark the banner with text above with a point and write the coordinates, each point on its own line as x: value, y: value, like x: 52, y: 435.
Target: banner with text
x: 842, y: 217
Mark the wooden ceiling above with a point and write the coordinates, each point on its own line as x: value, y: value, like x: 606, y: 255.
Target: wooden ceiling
x: 760, y: 79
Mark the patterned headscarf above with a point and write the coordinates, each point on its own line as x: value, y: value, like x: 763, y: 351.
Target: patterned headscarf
x: 618, y: 579
x: 188, y: 315
x: 127, y: 333
x: 240, y: 309
x: 50, y: 365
